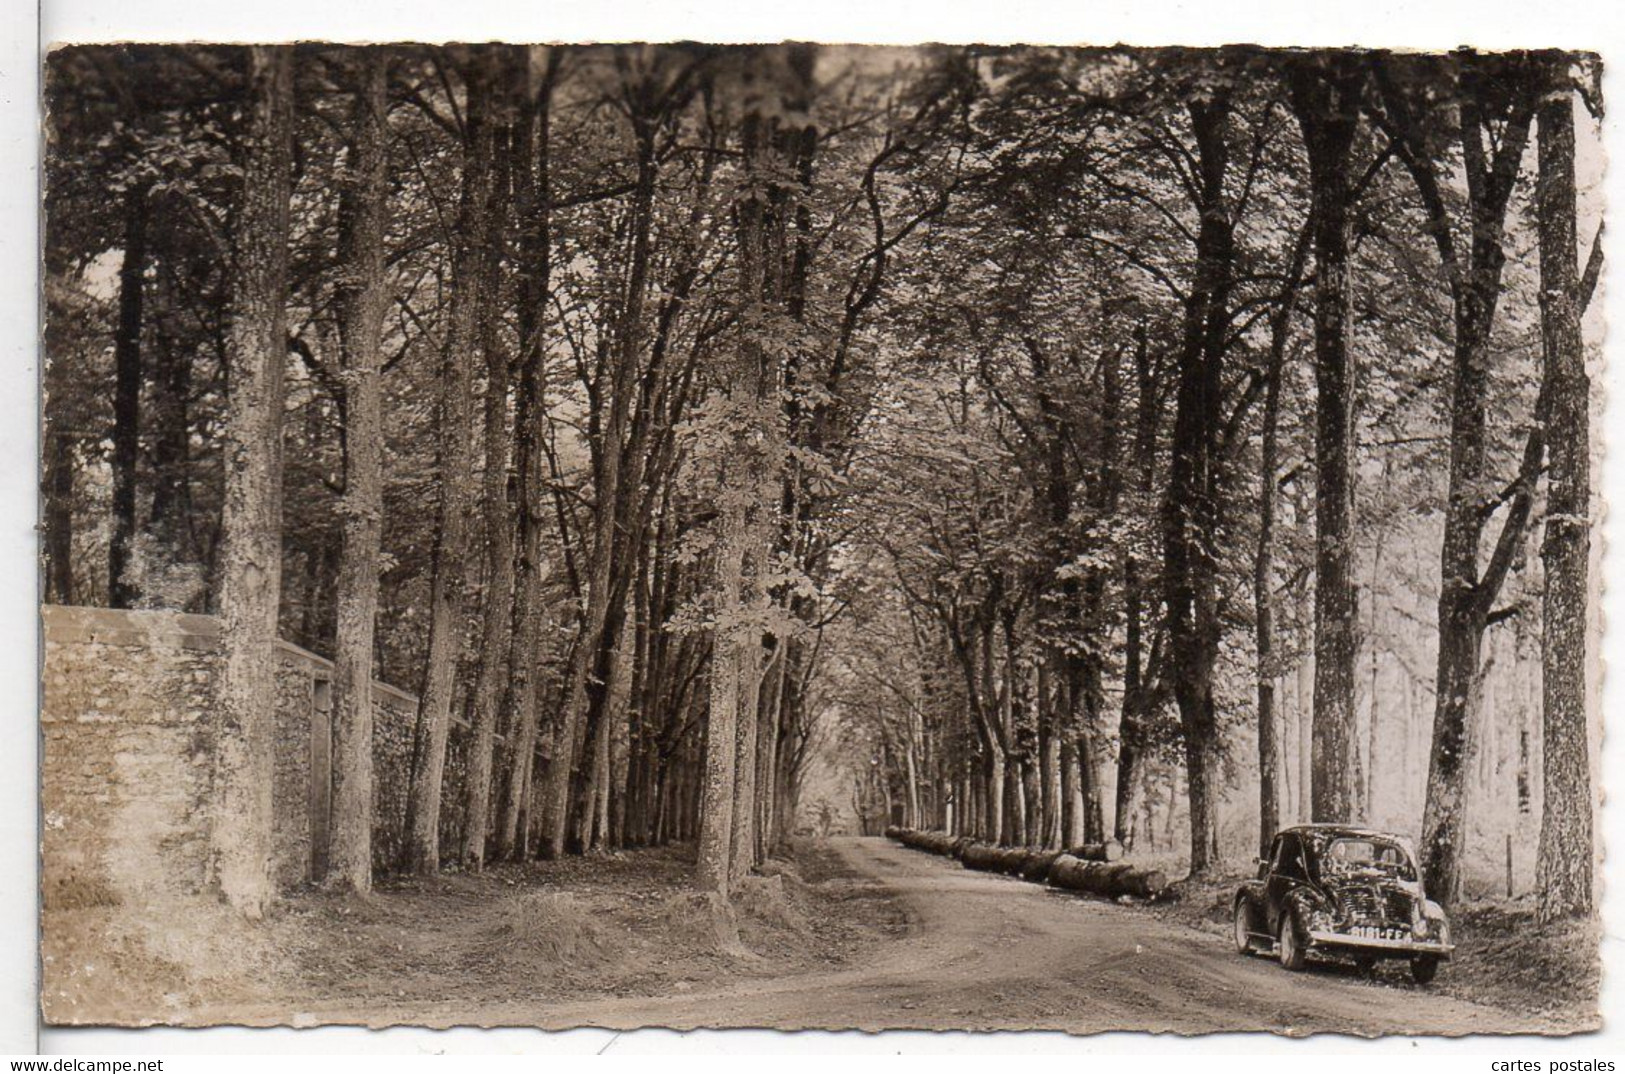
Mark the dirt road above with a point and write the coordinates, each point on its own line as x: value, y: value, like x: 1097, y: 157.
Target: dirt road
x: 993, y: 952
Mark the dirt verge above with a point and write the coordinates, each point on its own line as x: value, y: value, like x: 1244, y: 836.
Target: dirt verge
x: 607, y: 926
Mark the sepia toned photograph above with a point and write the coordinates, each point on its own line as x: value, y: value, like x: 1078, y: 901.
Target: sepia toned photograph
x: 817, y: 536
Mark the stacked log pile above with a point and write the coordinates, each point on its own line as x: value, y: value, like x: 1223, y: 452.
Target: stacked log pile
x: 1093, y: 869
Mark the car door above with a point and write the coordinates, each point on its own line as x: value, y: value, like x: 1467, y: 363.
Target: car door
x: 1286, y: 873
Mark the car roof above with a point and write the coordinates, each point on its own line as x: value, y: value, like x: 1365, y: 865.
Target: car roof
x: 1341, y: 829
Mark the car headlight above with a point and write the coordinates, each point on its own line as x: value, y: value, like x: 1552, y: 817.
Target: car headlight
x: 1420, y: 929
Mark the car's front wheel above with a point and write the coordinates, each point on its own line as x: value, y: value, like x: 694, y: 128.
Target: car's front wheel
x: 1243, y: 928
x: 1424, y: 968
x: 1291, y: 951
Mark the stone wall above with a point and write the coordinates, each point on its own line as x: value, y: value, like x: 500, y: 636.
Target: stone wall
x: 394, y: 715
x: 127, y: 725
x: 125, y: 755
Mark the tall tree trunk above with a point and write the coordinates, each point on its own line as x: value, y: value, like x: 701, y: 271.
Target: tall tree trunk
x: 1031, y: 834
x: 1053, y: 783
x: 1191, y: 508
x: 981, y: 689
x: 172, y: 523
x: 777, y: 100
x: 1303, y: 688
x: 1327, y: 95
x: 1071, y: 795
x: 1269, y: 724
x: 604, y: 673
x: 1467, y: 592
x: 1014, y: 830
x: 742, y: 844
x: 1373, y: 707
x: 497, y: 610
x: 715, y: 871
x: 595, y: 790
x: 361, y: 297
x: 59, y: 499
x: 640, y: 731
x: 533, y: 222
x: 1564, y: 869
x: 791, y: 741
x: 1103, y: 501
x: 1089, y: 750
x: 768, y: 834
x: 251, y: 522
x: 754, y: 599
x: 1135, y: 666
x: 128, y: 375
x: 456, y: 479
x: 993, y: 800
x: 911, y: 775
x: 1015, y: 802
x: 731, y: 658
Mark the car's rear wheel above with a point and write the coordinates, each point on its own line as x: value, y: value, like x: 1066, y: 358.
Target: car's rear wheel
x: 1424, y: 968
x: 1243, y: 928
x: 1291, y: 951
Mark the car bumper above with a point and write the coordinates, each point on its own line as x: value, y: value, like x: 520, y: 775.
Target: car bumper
x: 1341, y: 941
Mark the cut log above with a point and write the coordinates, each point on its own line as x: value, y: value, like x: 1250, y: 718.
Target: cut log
x: 1110, y: 850
x: 1144, y: 883
x: 1109, y: 879
x: 1012, y: 859
x: 931, y: 842
x: 1037, y: 865
x: 983, y: 856
x: 1065, y: 872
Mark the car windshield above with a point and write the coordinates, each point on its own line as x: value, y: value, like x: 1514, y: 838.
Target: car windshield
x: 1348, y: 854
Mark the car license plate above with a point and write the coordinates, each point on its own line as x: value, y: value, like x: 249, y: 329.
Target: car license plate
x: 1376, y: 932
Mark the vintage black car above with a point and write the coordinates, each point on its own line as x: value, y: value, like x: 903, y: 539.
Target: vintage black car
x: 1334, y: 891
